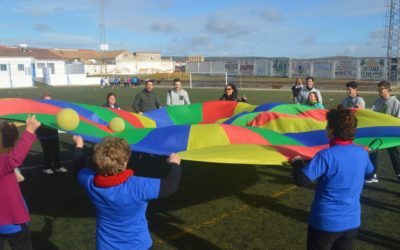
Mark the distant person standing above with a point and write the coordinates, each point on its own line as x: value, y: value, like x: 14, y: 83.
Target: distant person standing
x: 231, y: 94
x: 111, y: 101
x: 353, y: 100
x: 147, y: 99
x: 106, y: 81
x: 177, y: 95
x: 116, y: 82
x: 390, y: 105
x: 296, y: 88
x: 50, y: 142
x: 127, y: 80
x: 305, y: 91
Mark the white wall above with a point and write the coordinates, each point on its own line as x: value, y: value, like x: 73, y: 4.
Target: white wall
x: 150, y: 67
x: 91, y: 69
x: 133, y: 68
x: 12, y: 77
x: 46, y: 74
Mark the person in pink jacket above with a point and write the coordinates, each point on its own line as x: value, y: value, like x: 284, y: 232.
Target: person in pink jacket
x: 13, y: 211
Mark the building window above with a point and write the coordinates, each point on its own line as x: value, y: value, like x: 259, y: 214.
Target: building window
x: 3, y: 67
x: 21, y: 67
x: 50, y: 66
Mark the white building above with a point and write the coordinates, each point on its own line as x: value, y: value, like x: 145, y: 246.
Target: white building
x: 117, y: 62
x: 21, y: 66
x: 15, y: 69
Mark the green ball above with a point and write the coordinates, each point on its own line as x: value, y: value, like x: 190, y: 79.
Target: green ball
x: 117, y: 124
x: 67, y: 119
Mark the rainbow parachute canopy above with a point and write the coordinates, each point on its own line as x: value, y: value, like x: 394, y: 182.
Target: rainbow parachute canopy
x: 215, y: 131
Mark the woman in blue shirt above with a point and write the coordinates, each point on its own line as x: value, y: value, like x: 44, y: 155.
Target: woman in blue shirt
x: 340, y: 171
x: 119, y: 196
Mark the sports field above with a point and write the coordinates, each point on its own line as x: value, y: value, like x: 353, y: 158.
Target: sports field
x: 217, y: 206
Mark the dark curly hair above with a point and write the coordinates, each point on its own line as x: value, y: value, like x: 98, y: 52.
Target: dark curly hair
x: 9, y: 134
x: 342, y: 122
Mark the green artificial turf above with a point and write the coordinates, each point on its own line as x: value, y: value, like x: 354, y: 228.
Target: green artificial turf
x: 217, y: 206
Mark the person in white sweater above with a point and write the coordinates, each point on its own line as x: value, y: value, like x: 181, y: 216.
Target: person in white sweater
x: 305, y: 91
x: 177, y: 95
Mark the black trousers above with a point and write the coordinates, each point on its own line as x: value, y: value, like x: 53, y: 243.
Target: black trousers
x: 18, y: 241
x: 321, y: 240
x: 394, y: 158
x: 51, y: 153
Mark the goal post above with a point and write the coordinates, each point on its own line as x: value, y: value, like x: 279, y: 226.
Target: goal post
x: 208, y: 79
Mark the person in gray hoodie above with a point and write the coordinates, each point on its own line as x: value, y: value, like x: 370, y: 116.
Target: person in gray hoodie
x: 305, y: 91
x: 390, y: 105
x: 353, y: 100
x: 177, y: 95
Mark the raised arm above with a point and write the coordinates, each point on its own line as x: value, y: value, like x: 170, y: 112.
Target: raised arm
x: 171, y: 183
x: 79, y: 157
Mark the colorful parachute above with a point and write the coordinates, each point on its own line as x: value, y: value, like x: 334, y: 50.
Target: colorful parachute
x: 216, y: 131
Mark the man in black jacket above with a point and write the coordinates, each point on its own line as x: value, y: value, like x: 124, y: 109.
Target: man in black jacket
x: 146, y: 100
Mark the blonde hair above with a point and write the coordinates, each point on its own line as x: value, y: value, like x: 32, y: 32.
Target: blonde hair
x: 111, y: 155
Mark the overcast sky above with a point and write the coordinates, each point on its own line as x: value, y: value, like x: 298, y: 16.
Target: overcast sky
x: 271, y: 28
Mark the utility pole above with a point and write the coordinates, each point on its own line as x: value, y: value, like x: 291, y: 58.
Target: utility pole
x: 393, y: 41
x: 103, y: 41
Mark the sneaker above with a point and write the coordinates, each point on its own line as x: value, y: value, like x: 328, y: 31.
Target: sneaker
x: 374, y: 179
x: 61, y: 170
x: 398, y: 177
x: 48, y: 171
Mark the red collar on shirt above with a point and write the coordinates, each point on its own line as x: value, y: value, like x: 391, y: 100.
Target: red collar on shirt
x: 337, y: 141
x: 112, y: 180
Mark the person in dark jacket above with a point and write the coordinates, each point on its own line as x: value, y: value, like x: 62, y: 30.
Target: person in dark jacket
x: 296, y: 88
x: 231, y: 94
x: 50, y: 142
x: 111, y: 101
x: 146, y: 100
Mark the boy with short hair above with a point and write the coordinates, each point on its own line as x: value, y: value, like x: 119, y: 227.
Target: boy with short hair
x: 353, y: 100
x: 177, y: 95
x: 305, y: 91
x: 390, y: 105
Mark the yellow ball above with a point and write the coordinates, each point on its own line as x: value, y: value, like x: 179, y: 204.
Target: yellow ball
x: 117, y: 124
x: 67, y: 119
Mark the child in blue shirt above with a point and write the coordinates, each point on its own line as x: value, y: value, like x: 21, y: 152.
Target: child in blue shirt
x: 340, y: 171
x: 120, y: 197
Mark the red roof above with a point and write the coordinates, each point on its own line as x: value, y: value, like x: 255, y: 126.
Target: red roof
x: 28, y: 52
